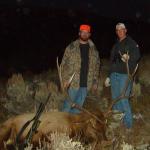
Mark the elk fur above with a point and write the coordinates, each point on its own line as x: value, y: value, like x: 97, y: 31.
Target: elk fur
x: 81, y: 125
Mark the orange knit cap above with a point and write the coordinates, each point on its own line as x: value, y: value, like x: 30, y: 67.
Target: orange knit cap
x: 85, y: 27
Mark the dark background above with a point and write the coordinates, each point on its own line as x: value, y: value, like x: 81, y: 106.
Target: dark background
x: 34, y: 32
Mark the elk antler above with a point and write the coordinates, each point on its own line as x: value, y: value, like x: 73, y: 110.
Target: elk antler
x: 130, y: 78
x: 59, y: 69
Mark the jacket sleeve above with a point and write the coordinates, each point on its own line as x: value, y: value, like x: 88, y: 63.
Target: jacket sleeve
x: 65, y: 64
x: 134, y: 54
x: 97, y: 67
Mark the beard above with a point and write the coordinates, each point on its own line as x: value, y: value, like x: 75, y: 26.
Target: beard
x: 84, y: 38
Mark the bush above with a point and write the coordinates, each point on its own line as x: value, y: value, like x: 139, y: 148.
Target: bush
x: 16, y: 88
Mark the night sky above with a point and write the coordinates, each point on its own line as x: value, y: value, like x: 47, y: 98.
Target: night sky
x: 34, y: 32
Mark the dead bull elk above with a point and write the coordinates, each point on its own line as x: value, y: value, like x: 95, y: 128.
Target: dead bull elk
x: 81, y: 125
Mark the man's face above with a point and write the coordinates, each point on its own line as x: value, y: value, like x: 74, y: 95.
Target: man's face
x: 121, y: 32
x: 84, y: 35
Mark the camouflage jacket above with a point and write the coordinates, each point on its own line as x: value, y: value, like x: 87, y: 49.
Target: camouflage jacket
x: 71, y: 63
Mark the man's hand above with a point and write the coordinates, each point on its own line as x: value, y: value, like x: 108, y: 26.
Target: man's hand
x: 94, y: 87
x: 125, y: 57
x: 107, y: 82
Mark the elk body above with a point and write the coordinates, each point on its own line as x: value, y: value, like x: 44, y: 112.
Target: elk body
x: 81, y: 125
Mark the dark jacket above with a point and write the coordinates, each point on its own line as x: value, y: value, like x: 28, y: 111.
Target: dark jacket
x: 126, y: 45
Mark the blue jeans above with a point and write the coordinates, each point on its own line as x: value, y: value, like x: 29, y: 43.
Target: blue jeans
x: 77, y: 96
x: 117, y: 85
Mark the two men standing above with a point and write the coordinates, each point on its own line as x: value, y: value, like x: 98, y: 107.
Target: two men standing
x: 82, y: 58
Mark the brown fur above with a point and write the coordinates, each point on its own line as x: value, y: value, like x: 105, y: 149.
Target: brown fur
x: 81, y: 125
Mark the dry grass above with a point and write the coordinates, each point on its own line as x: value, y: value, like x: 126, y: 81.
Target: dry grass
x: 59, y: 141
x: 41, y: 85
x: 144, y: 71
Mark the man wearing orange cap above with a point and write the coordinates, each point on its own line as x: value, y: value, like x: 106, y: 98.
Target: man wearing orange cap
x: 81, y: 57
